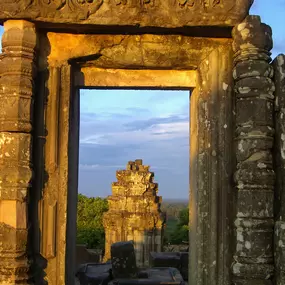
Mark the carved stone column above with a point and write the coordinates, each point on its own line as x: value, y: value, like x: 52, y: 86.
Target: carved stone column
x: 254, y: 176
x: 16, y: 90
x: 279, y: 242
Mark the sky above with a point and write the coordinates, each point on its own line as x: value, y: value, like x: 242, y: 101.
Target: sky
x: 119, y: 125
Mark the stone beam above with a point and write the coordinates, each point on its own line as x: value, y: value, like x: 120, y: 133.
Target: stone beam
x: 92, y: 76
x: 254, y: 176
x: 143, y: 13
x: 147, y: 51
x: 16, y: 90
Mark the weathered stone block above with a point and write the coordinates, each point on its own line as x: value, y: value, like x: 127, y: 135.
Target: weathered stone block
x: 13, y: 147
x: 258, y: 111
x: 255, y: 203
x: 165, y: 259
x: 254, y: 241
x: 13, y: 240
x: 123, y: 260
x: 254, y: 245
x: 252, y: 274
x: 255, y: 87
x: 252, y: 68
x: 279, y: 234
x: 279, y: 237
x: 251, y: 174
x: 250, y: 34
x: 254, y: 146
x: 251, y: 282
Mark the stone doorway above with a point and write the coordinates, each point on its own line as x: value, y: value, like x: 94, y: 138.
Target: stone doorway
x: 201, y: 64
x: 232, y: 127
x: 119, y: 124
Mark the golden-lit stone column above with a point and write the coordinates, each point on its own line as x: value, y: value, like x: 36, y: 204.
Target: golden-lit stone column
x: 16, y: 91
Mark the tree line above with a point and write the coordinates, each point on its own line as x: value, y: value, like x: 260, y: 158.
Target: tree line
x: 90, y: 230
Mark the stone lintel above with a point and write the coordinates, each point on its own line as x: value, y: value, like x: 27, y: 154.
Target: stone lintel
x: 153, y: 13
x: 92, y: 76
x: 135, y: 52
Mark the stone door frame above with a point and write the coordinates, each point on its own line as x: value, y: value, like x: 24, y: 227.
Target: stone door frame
x: 210, y: 78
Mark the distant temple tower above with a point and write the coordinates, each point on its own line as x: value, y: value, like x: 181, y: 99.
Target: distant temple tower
x: 134, y: 212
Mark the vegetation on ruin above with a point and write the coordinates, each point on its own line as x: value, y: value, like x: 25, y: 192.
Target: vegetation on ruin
x: 90, y: 230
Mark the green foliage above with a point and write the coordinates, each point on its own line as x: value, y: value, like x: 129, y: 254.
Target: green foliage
x: 171, y: 224
x: 90, y: 230
x: 172, y: 208
x: 184, y: 217
x: 177, y: 231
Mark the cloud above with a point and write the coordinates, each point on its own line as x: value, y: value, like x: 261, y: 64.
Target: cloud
x: 137, y: 110
x: 90, y: 154
x: 168, y: 162
x: 99, y: 167
x: 107, y: 145
x: 169, y: 95
x: 136, y: 137
x: 145, y: 124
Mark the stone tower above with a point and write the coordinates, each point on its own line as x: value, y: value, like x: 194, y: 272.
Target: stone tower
x: 134, y: 212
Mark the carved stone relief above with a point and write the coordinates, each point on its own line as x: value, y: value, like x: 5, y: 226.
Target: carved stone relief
x: 166, y: 13
x: 194, y: 3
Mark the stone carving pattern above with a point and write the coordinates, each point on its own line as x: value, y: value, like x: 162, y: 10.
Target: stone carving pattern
x: 134, y: 3
x: 50, y: 7
x: 88, y: 7
x: 16, y: 90
x: 254, y: 176
x: 193, y: 3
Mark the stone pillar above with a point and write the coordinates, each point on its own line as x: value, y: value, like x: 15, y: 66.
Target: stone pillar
x: 254, y: 176
x: 16, y: 90
x: 57, y: 209
x: 279, y: 242
x: 134, y: 211
x: 211, y: 171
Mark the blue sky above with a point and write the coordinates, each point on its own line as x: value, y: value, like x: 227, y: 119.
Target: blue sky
x: 122, y: 125
x: 118, y: 125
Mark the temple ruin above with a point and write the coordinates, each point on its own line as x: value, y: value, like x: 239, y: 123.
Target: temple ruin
x: 134, y: 212
x: 216, y: 50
